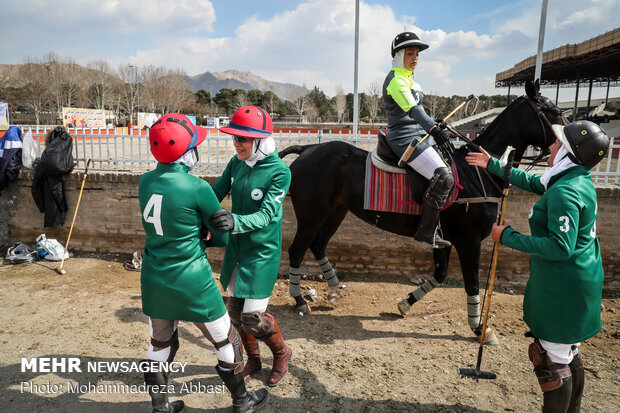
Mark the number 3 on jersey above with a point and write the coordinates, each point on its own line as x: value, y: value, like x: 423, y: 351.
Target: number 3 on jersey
x: 154, y: 205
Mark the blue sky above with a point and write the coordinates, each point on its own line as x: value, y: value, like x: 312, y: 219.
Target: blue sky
x: 305, y: 42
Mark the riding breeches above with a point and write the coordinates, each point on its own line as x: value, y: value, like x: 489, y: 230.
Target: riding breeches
x: 427, y: 162
x: 223, y: 336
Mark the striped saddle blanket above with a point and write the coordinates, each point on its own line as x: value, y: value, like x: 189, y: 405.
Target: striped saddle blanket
x: 390, y: 192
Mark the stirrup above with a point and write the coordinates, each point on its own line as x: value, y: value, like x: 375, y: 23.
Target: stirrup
x: 439, y: 233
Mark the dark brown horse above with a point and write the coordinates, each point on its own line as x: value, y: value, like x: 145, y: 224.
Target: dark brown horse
x: 340, y: 168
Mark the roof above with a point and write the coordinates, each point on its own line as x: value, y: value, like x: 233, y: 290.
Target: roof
x: 596, y: 59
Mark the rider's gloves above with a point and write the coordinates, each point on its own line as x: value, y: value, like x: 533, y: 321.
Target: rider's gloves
x: 443, y: 141
x: 222, y: 220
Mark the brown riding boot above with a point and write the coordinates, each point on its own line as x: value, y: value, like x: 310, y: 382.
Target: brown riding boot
x: 253, y: 365
x: 281, y: 354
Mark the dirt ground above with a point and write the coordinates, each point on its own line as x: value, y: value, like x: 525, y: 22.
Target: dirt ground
x: 358, y: 357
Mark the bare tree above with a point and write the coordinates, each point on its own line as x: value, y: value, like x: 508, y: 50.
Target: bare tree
x: 432, y: 103
x: 64, y: 80
x: 33, y: 75
x: 372, y: 100
x: 312, y: 112
x: 128, y: 95
x: 241, y: 99
x: 100, y: 83
x: 164, y: 90
x: 271, y: 101
x: 300, y: 100
x: 340, y: 103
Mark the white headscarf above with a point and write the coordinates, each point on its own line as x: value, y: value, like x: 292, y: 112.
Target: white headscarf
x: 561, y: 162
x: 398, y: 60
x: 188, y: 159
x: 260, y: 149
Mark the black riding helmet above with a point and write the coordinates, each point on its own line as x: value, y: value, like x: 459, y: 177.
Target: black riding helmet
x: 407, y: 39
x: 585, y: 141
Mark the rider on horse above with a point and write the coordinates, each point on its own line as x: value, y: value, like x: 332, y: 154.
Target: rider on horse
x: 407, y: 121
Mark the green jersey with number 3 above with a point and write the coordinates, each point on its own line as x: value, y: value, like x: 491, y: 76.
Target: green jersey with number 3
x: 177, y: 282
x: 255, y: 245
x: 562, y: 301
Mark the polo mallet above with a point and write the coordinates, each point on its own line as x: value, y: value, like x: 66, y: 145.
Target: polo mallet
x: 412, y: 145
x: 477, y: 373
x: 59, y: 270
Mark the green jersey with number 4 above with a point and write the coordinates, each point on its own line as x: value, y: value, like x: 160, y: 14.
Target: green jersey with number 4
x: 255, y: 245
x: 177, y: 282
x: 562, y: 301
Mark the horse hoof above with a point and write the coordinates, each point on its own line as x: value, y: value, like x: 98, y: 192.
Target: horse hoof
x: 403, y: 306
x: 304, y: 309
x: 490, y: 338
x: 333, y: 296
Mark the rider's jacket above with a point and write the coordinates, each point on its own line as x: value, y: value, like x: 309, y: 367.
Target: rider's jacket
x: 176, y: 280
x: 562, y: 301
x: 402, y: 98
x: 255, y: 245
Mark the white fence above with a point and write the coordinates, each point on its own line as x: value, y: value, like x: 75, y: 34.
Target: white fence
x: 130, y: 152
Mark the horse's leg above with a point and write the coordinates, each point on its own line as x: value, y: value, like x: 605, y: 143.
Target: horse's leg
x: 441, y: 256
x: 319, y: 244
x: 469, y: 257
x: 296, y: 253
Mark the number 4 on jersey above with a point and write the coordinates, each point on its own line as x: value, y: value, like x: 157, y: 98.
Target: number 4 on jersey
x: 154, y: 218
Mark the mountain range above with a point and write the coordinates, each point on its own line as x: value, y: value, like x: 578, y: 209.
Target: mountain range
x: 212, y: 82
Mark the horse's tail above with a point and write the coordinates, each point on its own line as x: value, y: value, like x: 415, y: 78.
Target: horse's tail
x: 296, y: 149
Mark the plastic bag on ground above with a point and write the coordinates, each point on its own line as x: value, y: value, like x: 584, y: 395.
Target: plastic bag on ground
x: 54, y: 249
x: 21, y: 253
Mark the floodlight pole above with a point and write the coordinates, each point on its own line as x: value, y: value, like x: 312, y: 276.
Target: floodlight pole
x: 541, y: 39
x: 355, y: 69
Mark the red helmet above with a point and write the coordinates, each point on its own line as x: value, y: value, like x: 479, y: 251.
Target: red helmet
x: 172, y: 135
x: 250, y: 122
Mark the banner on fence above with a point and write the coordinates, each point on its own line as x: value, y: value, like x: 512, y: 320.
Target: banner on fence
x: 84, y: 118
x: 147, y: 119
x: 4, y: 116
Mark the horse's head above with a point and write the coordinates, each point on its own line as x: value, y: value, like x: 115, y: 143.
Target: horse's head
x: 526, y: 121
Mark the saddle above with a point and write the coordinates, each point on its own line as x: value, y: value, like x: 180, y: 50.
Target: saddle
x: 384, y: 158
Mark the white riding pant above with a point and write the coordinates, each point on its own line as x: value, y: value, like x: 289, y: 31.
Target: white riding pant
x: 162, y: 330
x: 426, y: 162
x: 250, y: 304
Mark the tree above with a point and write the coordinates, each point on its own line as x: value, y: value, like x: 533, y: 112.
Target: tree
x: 241, y: 98
x: 372, y: 100
x: 36, y: 95
x: 432, y: 102
x: 164, y: 90
x: 320, y: 102
x: 225, y: 99
x: 255, y: 97
x: 100, y: 82
x: 127, y: 90
x: 271, y: 101
x: 300, y: 99
x: 339, y: 104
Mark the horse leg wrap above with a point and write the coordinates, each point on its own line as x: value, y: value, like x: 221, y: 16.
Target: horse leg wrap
x: 428, y: 286
x: 172, y: 343
x: 235, y: 307
x: 294, y: 281
x: 550, y: 375
x: 329, y: 274
x: 256, y: 324
x: 473, y: 311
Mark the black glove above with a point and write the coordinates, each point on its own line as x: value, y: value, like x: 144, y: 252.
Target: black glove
x: 222, y: 220
x: 443, y: 141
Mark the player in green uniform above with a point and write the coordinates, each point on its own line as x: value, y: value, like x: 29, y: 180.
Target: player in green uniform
x: 258, y: 181
x: 176, y: 281
x: 562, y: 301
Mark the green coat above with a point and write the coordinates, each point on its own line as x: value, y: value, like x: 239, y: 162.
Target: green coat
x: 255, y: 245
x: 177, y: 281
x: 562, y: 301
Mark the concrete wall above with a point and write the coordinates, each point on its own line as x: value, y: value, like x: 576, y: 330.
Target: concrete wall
x: 109, y: 221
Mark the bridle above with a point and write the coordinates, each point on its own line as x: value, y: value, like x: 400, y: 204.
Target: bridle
x: 546, y: 128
